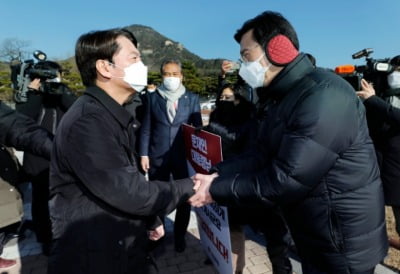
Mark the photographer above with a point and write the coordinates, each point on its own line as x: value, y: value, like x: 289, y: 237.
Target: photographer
x: 47, y: 101
x: 383, y: 116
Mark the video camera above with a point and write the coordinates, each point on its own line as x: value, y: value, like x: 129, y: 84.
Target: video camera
x: 374, y: 71
x: 23, y: 72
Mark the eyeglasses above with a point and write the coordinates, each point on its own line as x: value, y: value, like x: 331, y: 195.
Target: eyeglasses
x: 245, y: 53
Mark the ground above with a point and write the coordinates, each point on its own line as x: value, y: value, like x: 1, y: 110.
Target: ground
x: 393, y: 258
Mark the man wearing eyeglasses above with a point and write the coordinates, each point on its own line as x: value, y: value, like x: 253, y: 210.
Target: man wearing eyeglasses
x: 314, y: 157
x: 102, y: 209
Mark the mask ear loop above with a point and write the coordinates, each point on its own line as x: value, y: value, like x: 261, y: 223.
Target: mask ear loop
x: 280, y: 50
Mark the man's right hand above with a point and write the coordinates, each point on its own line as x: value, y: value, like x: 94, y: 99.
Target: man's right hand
x: 145, y: 163
x: 202, y: 183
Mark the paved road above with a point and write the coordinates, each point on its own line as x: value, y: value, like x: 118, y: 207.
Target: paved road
x: 30, y: 260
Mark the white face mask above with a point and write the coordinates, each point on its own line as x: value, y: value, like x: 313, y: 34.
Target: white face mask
x: 394, y: 79
x: 136, y: 75
x: 55, y: 80
x: 172, y: 83
x: 254, y: 73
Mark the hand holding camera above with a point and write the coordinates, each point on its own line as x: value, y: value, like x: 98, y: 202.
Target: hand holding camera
x: 35, y: 84
x: 367, y: 90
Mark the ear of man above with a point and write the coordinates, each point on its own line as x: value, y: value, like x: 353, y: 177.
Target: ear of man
x: 103, y: 68
x: 280, y: 50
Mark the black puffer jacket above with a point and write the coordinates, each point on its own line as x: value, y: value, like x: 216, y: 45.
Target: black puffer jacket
x: 316, y: 160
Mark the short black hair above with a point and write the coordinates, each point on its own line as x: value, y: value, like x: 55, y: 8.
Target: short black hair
x: 395, y: 61
x: 96, y: 45
x: 239, y: 90
x: 267, y: 25
x: 151, y: 82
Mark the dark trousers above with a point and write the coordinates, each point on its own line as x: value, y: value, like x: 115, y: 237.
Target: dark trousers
x: 2, y: 237
x: 278, y: 241
x: 74, y: 257
x: 308, y: 268
x: 396, y: 214
x: 182, y: 218
x: 272, y: 225
x: 182, y: 214
x: 40, y: 207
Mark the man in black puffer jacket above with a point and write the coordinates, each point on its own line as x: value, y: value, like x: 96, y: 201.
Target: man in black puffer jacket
x: 314, y: 156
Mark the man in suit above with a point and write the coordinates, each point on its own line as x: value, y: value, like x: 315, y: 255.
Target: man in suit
x: 161, y: 145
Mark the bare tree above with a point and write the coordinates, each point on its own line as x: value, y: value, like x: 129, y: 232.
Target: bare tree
x: 13, y: 48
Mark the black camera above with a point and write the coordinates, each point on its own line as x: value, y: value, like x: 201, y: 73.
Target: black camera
x: 23, y: 72
x: 374, y: 71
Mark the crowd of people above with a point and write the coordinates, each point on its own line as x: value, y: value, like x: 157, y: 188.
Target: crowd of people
x: 307, y: 160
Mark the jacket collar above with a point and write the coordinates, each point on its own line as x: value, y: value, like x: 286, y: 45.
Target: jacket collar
x: 118, y: 111
x: 283, y: 83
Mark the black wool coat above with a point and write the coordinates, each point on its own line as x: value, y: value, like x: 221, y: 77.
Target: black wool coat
x: 101, y: 206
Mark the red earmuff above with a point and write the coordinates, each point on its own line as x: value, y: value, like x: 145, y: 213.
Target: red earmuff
x: 281, y: 51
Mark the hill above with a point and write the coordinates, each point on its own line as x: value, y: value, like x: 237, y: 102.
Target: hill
x: 155, y: 48
x: 201, y: 74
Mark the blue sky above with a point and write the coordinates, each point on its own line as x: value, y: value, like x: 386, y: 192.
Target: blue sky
x: 331, y: 30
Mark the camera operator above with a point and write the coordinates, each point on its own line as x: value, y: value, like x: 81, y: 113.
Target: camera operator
x: 383, y: 116
x: 21, y: 132
x: 47, y: 101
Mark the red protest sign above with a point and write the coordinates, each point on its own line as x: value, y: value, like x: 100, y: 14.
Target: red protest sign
x: 203, y: 149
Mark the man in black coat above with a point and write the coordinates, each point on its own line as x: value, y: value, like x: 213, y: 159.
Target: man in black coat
x: 383, y: 116
x: 103, y: 210
x: 23, y: 133
x: 314, y: 156
x: 47, y: 101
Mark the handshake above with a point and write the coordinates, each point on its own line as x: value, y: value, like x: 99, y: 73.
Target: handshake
x: 202, y: 183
